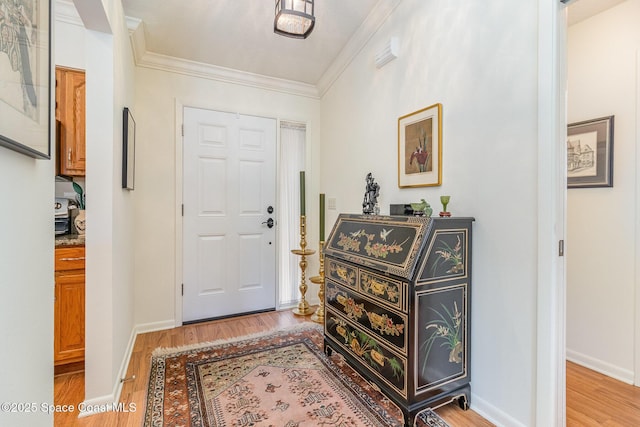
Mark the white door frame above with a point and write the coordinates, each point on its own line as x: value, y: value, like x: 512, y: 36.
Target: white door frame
x: 179, y: 108
x: 551, y: 302
x: 636, y: 367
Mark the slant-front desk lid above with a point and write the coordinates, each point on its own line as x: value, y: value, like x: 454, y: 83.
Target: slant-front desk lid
x: 386, y: 243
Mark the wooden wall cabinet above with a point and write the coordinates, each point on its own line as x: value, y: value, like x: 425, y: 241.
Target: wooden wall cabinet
x: 398, y: 305
x: 69, y: 308
x: 70, y: 114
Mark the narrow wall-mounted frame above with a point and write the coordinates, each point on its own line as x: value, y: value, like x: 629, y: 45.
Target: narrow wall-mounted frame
x: 25, y: 98
x: 128, y: 149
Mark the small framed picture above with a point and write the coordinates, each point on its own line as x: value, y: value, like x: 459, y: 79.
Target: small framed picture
x: 128, y: 149
x: 590, y: 153
x: 420, y: 148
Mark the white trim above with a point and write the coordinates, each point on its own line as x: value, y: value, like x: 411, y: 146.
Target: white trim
x: 637, y: 221
x: 492, y: 413
x: 178, y: 178
x: 363, y: 34
x: 550, y: 402
x: 65, y: 11
x: 605, y: 368
x: 213, y: 72
x: 371, y: 24
x: 163, y: 325
x: 111, y: 401
x: 136, y: 33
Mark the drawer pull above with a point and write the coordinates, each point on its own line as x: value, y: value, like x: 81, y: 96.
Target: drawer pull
x: 72, y: 259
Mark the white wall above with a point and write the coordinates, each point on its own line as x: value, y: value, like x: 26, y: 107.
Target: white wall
x: 157, y: 95
x: 479, y: 59
x: 601, y: 253
x: 108, y: 62
x: 27, y: 284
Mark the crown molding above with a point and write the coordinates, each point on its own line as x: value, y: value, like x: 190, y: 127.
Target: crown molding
x: 206, y: 71
x: 65, y: 11
x: 369, y: 27
x: 227, y: 75
x: 136, y: 34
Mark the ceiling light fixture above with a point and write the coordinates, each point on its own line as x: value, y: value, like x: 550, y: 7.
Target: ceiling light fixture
x: 294, y: 18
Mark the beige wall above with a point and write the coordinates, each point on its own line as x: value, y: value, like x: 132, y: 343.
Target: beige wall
x: 602, y: 228
x: 159, y: 95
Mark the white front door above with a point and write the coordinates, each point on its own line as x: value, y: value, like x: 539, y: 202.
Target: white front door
x: 229, y: 250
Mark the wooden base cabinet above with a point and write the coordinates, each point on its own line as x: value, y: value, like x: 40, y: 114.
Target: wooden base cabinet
x: 398, y: 306
x: 69, y: 308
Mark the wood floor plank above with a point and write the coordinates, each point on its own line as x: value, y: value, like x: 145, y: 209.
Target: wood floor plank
x: 592, y: 398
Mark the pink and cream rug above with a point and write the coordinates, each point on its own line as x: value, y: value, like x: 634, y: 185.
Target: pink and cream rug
x: 273, y: 380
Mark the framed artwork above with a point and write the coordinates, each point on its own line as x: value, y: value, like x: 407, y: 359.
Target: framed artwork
x: 420, y: 148
x: 590, y: 153
x: 25, y: 76
x: 128, y: 149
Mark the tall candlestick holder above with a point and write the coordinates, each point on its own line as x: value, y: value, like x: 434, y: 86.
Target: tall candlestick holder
x: 303, y: 308
x: 318, y: 316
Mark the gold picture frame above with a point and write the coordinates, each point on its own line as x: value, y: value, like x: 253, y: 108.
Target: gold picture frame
x: 420, y: 148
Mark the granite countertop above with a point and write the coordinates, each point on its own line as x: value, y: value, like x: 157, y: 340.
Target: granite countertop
x: 70, y: 240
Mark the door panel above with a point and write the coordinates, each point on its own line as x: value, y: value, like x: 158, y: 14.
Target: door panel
x: 229, y: 182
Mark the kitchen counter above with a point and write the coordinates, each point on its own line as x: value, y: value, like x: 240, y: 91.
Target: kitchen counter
x: 69, y: 240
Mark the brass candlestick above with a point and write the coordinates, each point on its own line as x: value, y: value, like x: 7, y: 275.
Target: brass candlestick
x: 318, y: 316
x: 303, y: 308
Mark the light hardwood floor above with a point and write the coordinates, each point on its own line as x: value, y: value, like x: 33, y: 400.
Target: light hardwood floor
x: 592, y: 399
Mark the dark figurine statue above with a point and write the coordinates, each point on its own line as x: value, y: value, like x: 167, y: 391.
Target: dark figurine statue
x: 371, y: 193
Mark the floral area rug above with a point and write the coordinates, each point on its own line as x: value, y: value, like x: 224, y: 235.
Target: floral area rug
x: 272, y: 380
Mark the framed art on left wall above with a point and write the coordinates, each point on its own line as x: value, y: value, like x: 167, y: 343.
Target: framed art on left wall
x: 25, y: 76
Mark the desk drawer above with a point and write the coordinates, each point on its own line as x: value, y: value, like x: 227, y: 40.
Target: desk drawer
x: 69, y: 258
x: 375, y: 357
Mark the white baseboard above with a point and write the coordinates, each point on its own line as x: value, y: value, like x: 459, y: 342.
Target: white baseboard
x: 492, y: 414
x: 605, y: 368
x: 111, y: 402
x: 154, y: 326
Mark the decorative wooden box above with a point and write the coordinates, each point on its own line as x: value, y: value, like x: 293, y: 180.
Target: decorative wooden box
x: 398, y: 305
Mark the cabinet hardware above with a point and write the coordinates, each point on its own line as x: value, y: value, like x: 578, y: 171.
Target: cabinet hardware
x: 561, y: 248
x: 73, y: 259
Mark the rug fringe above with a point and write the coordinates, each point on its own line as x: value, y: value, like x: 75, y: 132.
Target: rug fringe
x: 163, y: 351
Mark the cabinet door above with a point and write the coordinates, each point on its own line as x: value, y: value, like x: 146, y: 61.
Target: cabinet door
x: 70, y: 97
x: 69, y: 317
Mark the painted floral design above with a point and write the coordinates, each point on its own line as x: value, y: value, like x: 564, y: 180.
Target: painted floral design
x: 367, y: 348
x: 446, y: 328
x: 351, y: 308
x: 380, y: 288
x: 384, y: 324
x: 377, y: 249
x: 347, y: 275
x: 450, y: 257
x: 381, y: 250
x: 379, y: 322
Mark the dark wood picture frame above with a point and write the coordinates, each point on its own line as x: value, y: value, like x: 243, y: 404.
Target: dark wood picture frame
x: 590, y: 153
x: 25, y: 101
x: 128, y: 149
